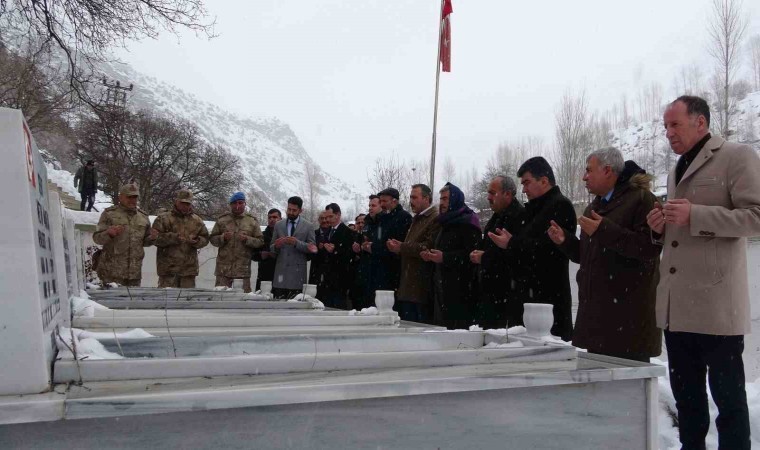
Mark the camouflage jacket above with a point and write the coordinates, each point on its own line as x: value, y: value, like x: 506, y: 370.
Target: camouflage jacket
x: 234, y: 259
x: 175, y: 257
x: 122, y: 255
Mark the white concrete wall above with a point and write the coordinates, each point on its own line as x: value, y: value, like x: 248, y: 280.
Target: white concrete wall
x: 206, y: 263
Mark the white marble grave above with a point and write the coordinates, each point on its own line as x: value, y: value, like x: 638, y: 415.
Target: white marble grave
x: 30, y: 288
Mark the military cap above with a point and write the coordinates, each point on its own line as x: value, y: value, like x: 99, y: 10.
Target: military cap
x: 237, y: 196
x: 129, y: 190
x: 185, y: 195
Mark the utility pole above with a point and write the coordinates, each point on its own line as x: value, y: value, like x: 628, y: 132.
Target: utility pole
x: 113, y: 112
x: 116, y: 94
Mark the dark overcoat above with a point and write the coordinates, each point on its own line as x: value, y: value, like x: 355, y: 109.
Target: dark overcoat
x: 541, y: 268
x: 618, y: 275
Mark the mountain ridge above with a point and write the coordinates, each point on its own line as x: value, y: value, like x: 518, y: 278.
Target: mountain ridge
x: 273, y: 158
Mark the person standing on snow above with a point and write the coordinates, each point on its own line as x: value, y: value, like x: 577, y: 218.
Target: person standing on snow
x: 86, y: 180
x: 703, y: 296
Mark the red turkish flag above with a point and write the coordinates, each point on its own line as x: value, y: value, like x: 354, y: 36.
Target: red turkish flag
x: 445, y: 38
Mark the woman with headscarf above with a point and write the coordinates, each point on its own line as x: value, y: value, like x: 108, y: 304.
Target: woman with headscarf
x: 459, y: 235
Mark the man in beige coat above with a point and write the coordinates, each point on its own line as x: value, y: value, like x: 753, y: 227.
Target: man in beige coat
x: 414, y: 296
x: 237, y: 234
x: 703, y: 299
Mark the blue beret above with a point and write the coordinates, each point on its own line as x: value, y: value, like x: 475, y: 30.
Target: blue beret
x: 237, y: 196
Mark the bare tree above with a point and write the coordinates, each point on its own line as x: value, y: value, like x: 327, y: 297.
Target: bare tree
x: 691, y: 80
x: 505, y: 161
x: 312, y: 180
x: 359, y: 205
x: 39, y: 93
x: 625, y: 114
x: 754, y: 51
x: 572, y: 143
x: 726, y: 30
x: 392, y: 172
x: 162, y: 155
x: 84, y: 31
x: 449, y: 172
x: 470, y: 183
x: 420, y: 171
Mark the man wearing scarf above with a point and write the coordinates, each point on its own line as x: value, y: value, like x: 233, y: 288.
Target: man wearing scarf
x: 458, y: 237
x: 618, y: 274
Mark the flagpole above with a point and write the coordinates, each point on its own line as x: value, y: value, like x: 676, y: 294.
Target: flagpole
x: 435, y: 107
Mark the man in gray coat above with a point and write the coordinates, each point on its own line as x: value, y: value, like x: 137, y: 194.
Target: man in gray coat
x: 703, y: 296
x: 292, y: 241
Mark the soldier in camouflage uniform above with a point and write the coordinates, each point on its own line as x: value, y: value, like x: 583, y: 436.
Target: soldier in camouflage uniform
x: 180, y: 235
x: 123, y: 231
x: 237, y: 234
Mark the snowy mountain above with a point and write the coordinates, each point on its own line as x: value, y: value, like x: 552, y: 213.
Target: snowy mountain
x: 646, y: 144
x: 272, y: 156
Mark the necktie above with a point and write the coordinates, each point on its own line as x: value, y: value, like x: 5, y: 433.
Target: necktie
x: 292, y: 227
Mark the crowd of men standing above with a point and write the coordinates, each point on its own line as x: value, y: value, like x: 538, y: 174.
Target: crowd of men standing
x: 446, y: 270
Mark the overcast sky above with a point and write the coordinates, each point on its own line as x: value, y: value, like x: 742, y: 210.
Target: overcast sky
x: 355, y: 79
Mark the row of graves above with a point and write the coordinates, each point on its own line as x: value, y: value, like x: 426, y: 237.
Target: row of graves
x: 136, y: 367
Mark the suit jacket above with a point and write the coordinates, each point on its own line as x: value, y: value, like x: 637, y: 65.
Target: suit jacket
x: 703, y: 273
x: 336, y: 269
x: 266, y: 266
x: 386, y: 265
x: 290, y: 269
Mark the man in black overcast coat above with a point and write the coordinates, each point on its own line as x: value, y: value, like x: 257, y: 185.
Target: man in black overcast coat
x: 498, y: 304
x: 542, y: 269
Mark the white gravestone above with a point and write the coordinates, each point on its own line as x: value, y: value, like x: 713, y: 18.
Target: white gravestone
x: 30, y: 301
x: 63, y: 251
x: 79, y: 281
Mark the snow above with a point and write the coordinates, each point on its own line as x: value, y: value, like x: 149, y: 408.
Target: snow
x: 371, y: 311
x: 555, y: 340
x: 65, y: 180
x: 68, y: 340
x: 669, y: 433
x: 135, y: 333
x: 82, y: 306
x: 315, y: 303
x: 513, y: 344
x: 83, y: 217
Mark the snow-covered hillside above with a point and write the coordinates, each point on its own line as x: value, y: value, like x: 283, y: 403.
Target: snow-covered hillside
x: 646, y: 144
x: 272, y: 156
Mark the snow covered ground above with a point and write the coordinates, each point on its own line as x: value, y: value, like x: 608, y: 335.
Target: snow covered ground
x: 65, y: 180
x: 669, y: 434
